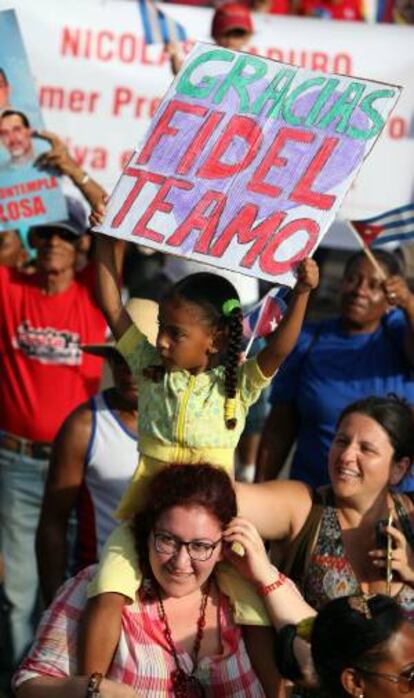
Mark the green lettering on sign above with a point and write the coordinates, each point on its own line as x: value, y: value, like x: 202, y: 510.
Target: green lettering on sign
x: 377, y: 120
x: 343, y: 107
x: 238, y: 79
x: 206, y: 85
x: 320, y: 102
x: 288, y: 114
x: 275, y: 92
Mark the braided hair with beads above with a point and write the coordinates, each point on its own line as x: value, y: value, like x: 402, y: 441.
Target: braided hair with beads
x: 232, y: 311
x: 220, y: 303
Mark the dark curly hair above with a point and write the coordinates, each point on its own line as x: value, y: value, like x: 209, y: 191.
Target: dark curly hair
x: 345, y: 638
x: 210, y: 292
x: 394, y: 415
x: 183, y: 485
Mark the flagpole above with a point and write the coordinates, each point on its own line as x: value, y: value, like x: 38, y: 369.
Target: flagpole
x: 253, y: 337
x: 259, y: 317
x: 249, y: 346
x: 367, y: 251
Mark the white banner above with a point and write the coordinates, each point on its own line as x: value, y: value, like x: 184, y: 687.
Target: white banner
x: 99, y: 84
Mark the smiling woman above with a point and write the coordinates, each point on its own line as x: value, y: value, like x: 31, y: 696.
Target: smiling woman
x: 179, y: 637
x: 328, y: 539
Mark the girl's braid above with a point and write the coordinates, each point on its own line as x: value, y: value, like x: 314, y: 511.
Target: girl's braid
x: 235, y: 325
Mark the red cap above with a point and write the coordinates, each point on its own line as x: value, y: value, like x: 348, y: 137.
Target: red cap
x: 231, y: 16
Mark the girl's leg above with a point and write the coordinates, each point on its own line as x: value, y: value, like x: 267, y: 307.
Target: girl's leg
x: 116, y: 582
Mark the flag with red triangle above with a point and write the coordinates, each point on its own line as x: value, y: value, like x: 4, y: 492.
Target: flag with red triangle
x: 396, y: 225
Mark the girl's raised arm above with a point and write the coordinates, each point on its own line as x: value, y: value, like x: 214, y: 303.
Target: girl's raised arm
x: 282, y: 341
x: 109, y: 260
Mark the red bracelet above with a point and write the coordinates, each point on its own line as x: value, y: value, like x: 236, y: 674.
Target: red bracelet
x: 266, y: 589
x: 94, y: 682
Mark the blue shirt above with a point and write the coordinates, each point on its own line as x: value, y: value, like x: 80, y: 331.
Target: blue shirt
x: 328, y: 370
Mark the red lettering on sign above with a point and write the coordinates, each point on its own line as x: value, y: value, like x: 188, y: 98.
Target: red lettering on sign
x: 272, y: 266
x: 273, y: 159
x: 198, y: 219
x: 22, y: 208
x: 163, y: 129
x: 104, y: 50
x: 320, y: 61
x: 302, y: 192
x: 202, y: 136
x: 159, y: 204
x: 397, y: 127
x: 142, y: 178
x: 122, y: 96
x: 240, y: 127
x: 241, y: 227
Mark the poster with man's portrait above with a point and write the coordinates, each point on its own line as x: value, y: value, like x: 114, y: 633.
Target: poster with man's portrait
x: 28, y: 194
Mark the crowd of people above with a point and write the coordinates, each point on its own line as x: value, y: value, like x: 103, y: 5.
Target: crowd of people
x: 399, y: 11
x: 141, y: 506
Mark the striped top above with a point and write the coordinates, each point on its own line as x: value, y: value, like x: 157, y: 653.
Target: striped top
x: 143, y: 659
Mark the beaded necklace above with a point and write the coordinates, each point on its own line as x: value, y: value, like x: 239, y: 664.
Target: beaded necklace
x: 186, y: 685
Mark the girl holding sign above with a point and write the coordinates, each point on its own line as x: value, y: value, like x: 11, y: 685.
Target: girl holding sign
x: 194, y: 395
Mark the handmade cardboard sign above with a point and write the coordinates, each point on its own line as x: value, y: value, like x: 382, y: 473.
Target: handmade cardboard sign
x: 246, y: 162
x: 28, y: 195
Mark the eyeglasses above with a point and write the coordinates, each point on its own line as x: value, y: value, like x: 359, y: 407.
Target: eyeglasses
x: 405, y: 681
x: 198, y: 550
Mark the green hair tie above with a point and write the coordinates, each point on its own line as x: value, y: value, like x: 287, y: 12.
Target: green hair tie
x: 228, y: 306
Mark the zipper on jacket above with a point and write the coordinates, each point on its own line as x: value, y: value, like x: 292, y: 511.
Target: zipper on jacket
x: 182, y: 415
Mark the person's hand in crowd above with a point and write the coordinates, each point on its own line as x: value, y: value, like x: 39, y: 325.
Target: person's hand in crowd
x: 245, y: 549
x: 58, y: 157
x: 97, y: 214
x: 175, y: 55
x: 255, y: 566
x: 397, y: 292
x: 307, y: 276
x: 402, y: 556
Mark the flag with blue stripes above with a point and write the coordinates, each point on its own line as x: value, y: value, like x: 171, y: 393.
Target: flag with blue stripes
x: 265, y: 316
x: 378, y: 10
x: 158, y: 27
x: 392, y: 226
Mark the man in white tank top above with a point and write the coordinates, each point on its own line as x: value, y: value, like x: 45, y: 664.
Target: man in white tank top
x: 93, y: 458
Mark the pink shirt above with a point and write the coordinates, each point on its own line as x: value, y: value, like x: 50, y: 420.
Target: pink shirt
x: 143, y: 659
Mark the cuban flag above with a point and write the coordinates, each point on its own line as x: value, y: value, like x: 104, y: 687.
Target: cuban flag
x: 265, y: 316
x: 378, y: 10
x: 158, y: 27
x: 391, y: 226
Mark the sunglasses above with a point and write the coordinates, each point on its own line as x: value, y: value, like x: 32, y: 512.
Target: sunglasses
x: 405, y: 680
x: 45, y: 234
